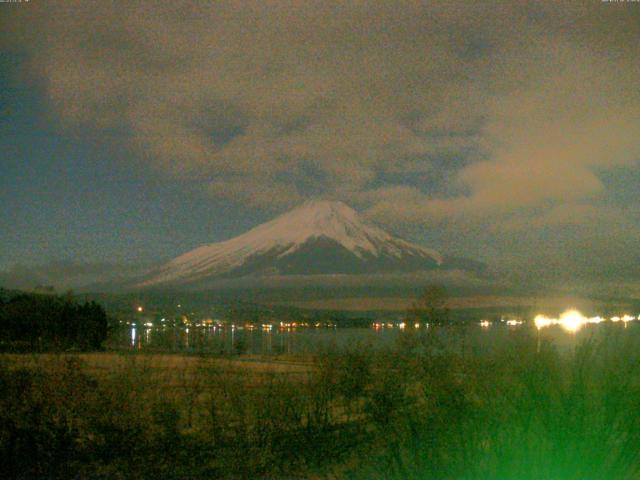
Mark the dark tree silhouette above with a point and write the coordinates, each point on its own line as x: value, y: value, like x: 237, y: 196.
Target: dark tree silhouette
x: 46, y: 322
x: 431, y: 306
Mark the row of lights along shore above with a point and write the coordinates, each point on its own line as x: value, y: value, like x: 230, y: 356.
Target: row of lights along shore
x: 571, y: 320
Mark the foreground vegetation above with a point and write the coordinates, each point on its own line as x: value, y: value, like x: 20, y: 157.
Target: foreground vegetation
x: 416, y: 410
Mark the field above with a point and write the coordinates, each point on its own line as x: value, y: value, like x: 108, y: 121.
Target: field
x: 413, y: 410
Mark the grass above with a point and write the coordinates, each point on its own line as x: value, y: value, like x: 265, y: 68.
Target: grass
x: 414, y: 410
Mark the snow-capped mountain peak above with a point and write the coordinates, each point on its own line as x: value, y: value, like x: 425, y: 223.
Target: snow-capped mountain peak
x: 320, y: 218
x: 319, y: 228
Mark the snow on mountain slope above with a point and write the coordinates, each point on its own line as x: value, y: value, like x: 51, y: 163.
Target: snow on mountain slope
x: 293, y: 232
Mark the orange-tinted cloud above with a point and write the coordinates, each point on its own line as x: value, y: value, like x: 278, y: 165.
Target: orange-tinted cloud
x: 525, y: 101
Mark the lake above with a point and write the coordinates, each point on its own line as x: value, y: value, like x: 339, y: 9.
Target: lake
x: 227, y: 340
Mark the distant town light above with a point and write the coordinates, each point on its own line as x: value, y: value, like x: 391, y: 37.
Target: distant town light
x: 139, y: 309
x: 572, y: 320
x: 541, y: 321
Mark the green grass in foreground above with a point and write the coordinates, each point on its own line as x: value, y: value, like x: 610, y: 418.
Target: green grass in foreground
x: 416, y: 410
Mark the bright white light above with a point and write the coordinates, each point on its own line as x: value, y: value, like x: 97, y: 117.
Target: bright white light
x: 572, y: 320
x: 541, y: 321
x: 402, y: 325
x: 139, y: 309
x: 485, y: 323
x: 514, y: 322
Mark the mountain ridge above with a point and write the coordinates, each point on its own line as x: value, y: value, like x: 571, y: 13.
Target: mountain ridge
x: 317, y: 237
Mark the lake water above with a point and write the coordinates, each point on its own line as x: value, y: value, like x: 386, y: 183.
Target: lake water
x: 227, y: 340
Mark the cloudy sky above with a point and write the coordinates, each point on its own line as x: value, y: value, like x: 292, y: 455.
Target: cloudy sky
x: 508, y: 131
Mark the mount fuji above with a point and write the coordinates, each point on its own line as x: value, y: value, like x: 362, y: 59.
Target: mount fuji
x: 316, y: 238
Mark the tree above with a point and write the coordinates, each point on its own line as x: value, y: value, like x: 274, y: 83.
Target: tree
x: 51, y: 322
x: 431, y: 306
